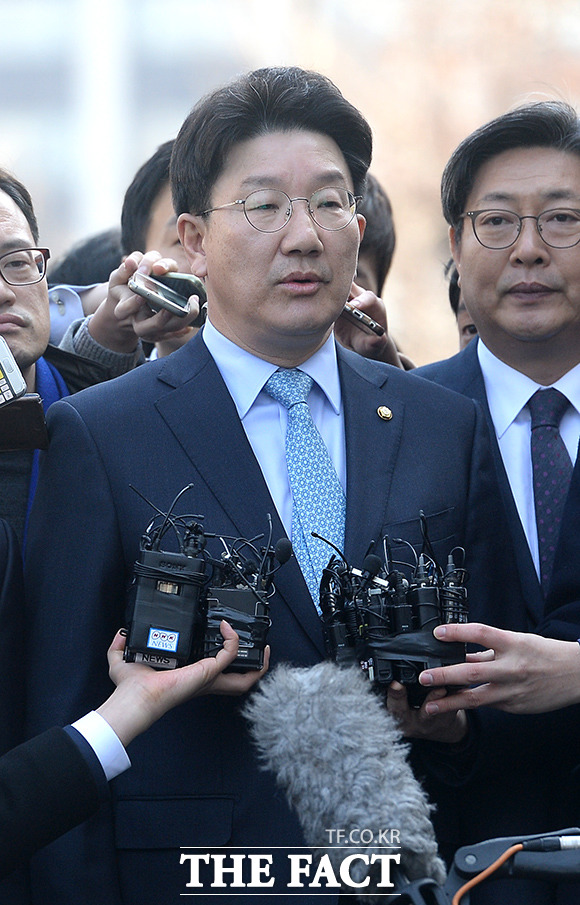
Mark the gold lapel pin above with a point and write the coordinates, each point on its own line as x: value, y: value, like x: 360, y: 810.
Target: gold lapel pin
x: 384, y: 412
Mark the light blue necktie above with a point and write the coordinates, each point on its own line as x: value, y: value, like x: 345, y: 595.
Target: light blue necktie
x: 318, y: 500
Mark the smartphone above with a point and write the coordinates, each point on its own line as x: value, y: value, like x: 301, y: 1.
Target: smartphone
x: 12, y: 383
x: 171, y: 292
x: 22, y: 424
x: 361, y: 319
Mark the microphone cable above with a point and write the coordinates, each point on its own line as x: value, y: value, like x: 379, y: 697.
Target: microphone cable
x: 479, y: 878
x: 542, y: 844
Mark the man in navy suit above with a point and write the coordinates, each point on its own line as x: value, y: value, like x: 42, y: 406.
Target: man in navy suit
x: 519, y: 172
x: 511, y: 196
x: 265, y: 177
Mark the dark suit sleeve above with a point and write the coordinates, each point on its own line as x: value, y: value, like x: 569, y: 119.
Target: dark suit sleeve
x: 74, y: 557
x: 562, y: 614
x: 11, y: 641
x: 47, y: 786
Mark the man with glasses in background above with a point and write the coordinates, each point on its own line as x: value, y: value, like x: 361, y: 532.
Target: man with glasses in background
x: 263, y: 415
x: 511, y: 197
x: 107, y: 346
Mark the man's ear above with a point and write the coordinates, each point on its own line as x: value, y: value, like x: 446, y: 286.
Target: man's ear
x: 455, y: 244
x: 455, y: 247
x: 191, y: 231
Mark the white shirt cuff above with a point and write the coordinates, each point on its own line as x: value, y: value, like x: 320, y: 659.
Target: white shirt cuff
x: 105, y: 743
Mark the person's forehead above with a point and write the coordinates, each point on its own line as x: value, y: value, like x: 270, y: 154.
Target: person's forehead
x: 14, y: 227
x: 270, y: 160
x: 518, y: 172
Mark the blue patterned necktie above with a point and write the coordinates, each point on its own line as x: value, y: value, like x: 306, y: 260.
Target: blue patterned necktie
x: 552, y: 471
x: 318, y: 500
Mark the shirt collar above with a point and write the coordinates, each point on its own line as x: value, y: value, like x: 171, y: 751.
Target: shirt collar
x: 233, y: 361
x: 505, y: 406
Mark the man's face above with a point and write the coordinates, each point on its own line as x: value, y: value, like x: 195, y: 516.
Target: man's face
x: 277, y: 294
x: 162, y: 231
x: 524, y: 300
x: 24, y: 310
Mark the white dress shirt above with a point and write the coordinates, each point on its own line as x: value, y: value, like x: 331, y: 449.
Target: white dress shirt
x: 104, y: 742
x: 264, y: 420
x: 508, y: 392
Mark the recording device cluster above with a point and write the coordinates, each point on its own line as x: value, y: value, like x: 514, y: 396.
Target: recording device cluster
x: 179, y: 597
x: 383, y: 615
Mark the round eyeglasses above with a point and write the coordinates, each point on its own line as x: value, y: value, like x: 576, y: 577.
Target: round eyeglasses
x: 558, y: 227
x: 269, y: 210
x: 24, y: 266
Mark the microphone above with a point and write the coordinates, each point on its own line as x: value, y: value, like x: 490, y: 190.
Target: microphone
x: 283, y: 550
x: 280, y: 554
x: 339, y: 756
x: 372, y: 565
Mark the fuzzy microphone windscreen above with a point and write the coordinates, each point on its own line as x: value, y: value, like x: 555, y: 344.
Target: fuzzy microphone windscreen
x: 339, y: 756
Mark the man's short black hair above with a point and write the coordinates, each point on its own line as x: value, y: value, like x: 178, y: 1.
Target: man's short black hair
x: 379, y: 236
x: 452, y: 275
x: 545, y: 124
x: 260, y: 102
x: 89, y: 261
x: 140, y: 197
x: 21, y: 196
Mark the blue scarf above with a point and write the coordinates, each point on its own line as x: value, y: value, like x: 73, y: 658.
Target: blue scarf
x: 50, y: 387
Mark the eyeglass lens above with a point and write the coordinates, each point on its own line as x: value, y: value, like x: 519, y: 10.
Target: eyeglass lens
x: 27, y: 265
x: 559, y: 228
x: 269, y: 209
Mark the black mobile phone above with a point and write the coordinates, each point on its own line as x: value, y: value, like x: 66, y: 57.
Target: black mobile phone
x: 22, y: 424
x: 171, y: 292
x: 361, y: 319
x: 12, y: 383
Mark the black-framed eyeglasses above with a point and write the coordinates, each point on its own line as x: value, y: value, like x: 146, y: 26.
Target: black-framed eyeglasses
x: 558, y: 227
x: 269, y: 210
x: 24, y: 266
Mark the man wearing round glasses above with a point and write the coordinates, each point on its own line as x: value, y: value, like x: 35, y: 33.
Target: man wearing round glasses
x: 265, y: 175
x: 511, y: 197
x: 275, y: 293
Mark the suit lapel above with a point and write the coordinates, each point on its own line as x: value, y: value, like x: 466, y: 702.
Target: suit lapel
x: 202, y: 416
x: 372, y: 450
x: 471, y: 383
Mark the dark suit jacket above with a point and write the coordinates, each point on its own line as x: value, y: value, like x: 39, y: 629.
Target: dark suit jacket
x: 11, y: 640
x: 46, y: 788
x: 559, y: 615
x: 47, y: 785
x: 195, y: 780
x: 562, y: 612
x: 542, y: 748
x: 462, y: 373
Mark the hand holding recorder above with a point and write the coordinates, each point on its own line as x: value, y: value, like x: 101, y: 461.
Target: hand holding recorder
x: 137, y: 306
x: 362, y: 327
x: 143, y: 694
x: 22, y: 421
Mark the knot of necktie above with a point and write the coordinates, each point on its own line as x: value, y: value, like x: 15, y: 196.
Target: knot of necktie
x: 288, y: 386
x: 547, y: 408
